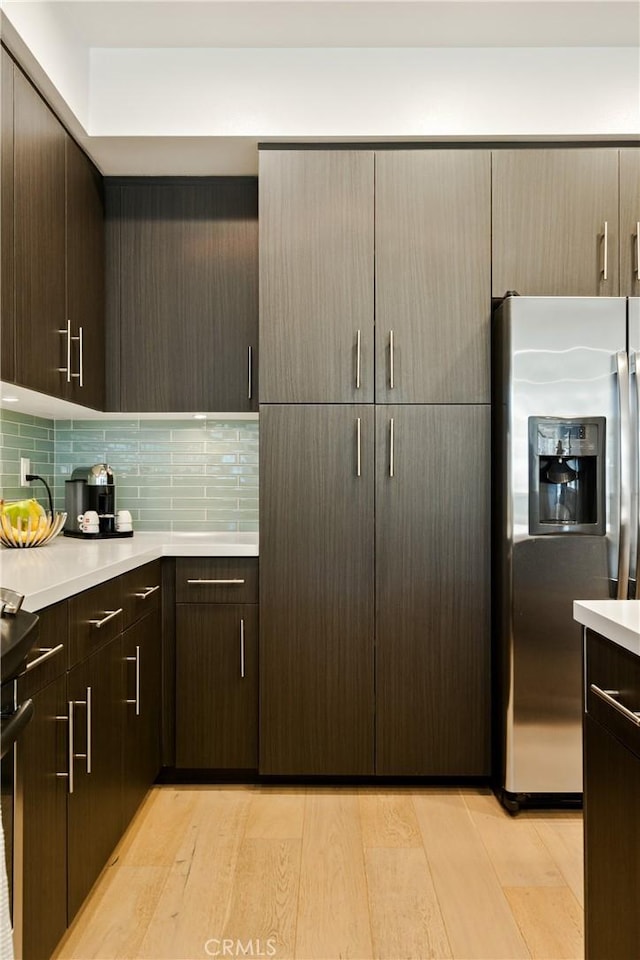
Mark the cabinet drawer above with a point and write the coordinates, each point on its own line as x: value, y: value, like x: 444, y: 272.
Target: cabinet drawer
x: 95, y: 617
x: 50, y: 657
x: 615, y: 673
x: 217, y: 580
x: 141, y: 591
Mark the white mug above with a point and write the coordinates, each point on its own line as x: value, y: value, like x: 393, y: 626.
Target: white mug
x: 124, y: 522
x: 89, y: 522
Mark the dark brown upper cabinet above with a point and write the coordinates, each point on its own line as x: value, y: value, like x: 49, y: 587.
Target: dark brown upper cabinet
x: 555, y: 222
x: 85, y: 279
x: 630, y: 222
x: 433, y: 673
x: 52, y: 251
x: 316, y: 276
x: 433, y: 276
x: 7, y: 314
x: 183, y: 300
x: 39, y: 242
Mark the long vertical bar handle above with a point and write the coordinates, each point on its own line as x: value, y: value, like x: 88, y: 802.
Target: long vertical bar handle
x: 249, y: 373
x: 89, y: 730
x: 625, y: 473
x: 79, y: 376
x: 358, y: 358
x: 242, y: 649
x: 605, y: 251
x: 66, y: 332
x: 392, y: 465
x: 69, y: 720
x: 70, y: 742
x: 391, y: 361
x: 81, y: 356
x: 358, y: 447
x: 638, y: 250
x: 634, y: 363
x: 137, y: 681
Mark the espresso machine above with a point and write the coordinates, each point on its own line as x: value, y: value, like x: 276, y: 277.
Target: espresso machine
x: 92, y: 488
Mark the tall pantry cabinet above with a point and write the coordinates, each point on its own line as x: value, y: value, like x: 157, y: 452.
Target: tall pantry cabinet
x: 374, y: 474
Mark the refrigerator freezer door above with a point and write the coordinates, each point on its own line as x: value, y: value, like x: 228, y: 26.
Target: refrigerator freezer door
x: 557, y: 359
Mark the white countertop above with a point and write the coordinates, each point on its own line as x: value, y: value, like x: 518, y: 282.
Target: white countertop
x: 67, y: 566
x: 618, y: 620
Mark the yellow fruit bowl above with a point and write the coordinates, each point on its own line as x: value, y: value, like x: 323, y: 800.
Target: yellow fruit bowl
x: 34, y: 532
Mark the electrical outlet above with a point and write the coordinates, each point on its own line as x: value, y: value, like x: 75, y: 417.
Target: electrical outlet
x: 25, y: 468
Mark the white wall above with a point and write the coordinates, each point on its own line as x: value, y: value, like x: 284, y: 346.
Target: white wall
x: 55, y: 49
x: 365, y: 92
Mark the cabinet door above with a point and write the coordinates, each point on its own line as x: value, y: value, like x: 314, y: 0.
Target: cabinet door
x: 141, y: 654
x: 188, y: 280
x: 555, y: 222
x: 316, y: 589
x: 612, y: 846
x: 43, y: 755
x: 630, y: 222
x: 7, y: 292
x: 85, y: 278
x: 432, y: 591
x: 433, y: 276
x: 316, y: 276
x: 39, y: 242
x: 94, y: 807
x: 217, y: 685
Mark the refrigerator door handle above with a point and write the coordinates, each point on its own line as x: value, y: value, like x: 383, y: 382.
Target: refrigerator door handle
x: 634, y: 360
x: 624, y: 413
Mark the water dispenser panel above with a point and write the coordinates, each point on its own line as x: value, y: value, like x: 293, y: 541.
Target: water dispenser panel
x: 566, y: 476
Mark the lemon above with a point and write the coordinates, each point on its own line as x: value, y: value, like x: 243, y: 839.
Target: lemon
x: 24, y: 510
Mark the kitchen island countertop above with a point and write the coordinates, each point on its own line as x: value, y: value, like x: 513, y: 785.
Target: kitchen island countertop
x: 618, y: 620
x: 66, y: 566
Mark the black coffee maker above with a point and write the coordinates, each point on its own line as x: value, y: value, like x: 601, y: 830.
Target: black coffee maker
x: 92, y: 488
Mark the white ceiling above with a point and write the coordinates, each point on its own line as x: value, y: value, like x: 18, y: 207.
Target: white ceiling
x: 189, y: 86
x: 351, y: 23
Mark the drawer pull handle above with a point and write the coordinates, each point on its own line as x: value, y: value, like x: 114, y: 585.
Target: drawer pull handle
x: 229, y: 583
x: 147, y: 592
x: 608, y: 697
x: 110, y: 614
x: 242, y: 649
x: 47, y: 653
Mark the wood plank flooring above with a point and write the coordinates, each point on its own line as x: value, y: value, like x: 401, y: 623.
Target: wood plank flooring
x: 328, y: 873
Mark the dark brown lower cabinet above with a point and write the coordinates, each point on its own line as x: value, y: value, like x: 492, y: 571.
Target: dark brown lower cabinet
x: 316, y: 589
x: 427, y: 618
x: 94, y: 802
x: 141, y: 653
x: 43, y: 755
x: 612, y: 846
x: 217, y: 685
x: 432, y: 590
x: 611, y: 796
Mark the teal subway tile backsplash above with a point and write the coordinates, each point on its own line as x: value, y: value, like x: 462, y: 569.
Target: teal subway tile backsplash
x: 22, y: 435
x: 171, y: 474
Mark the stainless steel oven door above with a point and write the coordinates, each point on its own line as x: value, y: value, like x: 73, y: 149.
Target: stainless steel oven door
x: 13, y: 719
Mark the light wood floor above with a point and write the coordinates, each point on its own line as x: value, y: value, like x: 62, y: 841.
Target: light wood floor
x: 332, y: 872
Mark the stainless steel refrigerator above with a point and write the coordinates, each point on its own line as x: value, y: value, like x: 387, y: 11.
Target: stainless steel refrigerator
x: 565, y: 431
